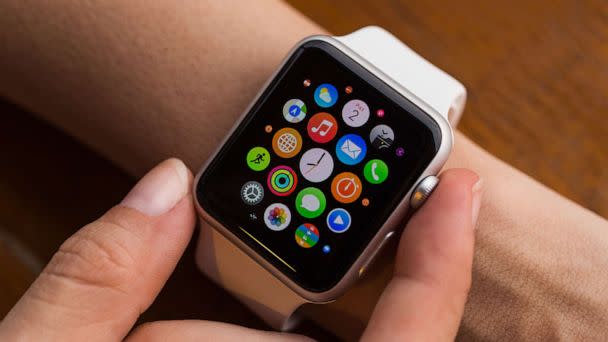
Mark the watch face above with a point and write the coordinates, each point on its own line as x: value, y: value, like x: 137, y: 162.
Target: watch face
x: 318, y: 165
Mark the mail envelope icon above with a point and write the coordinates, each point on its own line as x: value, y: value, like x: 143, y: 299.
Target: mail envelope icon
x: 351, y: 149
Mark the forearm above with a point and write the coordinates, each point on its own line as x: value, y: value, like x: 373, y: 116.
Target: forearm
x: 540, y: 262
x: 144, y: 80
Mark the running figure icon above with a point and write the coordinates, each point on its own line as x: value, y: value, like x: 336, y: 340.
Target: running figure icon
x: 259, y: 158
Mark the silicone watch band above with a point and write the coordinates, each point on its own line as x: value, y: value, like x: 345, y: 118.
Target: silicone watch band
x: 233, y: 269
x: 257, y: 288
x: 402, y: 64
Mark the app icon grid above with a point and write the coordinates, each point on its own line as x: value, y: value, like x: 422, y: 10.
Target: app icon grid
x: 322, y: 128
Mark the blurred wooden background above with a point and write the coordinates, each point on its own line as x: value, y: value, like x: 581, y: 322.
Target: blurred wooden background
x: 537, y: 75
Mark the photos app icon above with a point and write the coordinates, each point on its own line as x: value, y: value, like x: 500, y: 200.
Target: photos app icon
x: 277, y: 216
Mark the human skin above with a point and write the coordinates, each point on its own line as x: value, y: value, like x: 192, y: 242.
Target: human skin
x: 141, y: 81
x: 105, y: 275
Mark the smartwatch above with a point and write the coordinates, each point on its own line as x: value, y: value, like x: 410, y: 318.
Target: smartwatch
x: 322, y: 169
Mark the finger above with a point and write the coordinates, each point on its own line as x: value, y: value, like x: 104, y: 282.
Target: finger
x: 425, y: 299
x: 110, y: 271
x: 185, y: 331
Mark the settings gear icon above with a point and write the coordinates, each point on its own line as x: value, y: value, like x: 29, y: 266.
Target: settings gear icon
x: 252, y: 193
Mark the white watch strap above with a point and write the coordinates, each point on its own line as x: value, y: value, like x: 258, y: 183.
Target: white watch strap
x: 257, y: 288
x: 423, y: 79
x: 233, y: 269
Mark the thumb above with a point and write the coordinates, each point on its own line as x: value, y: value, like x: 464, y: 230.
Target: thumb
x: 104, y: 276
x: 425, y: 299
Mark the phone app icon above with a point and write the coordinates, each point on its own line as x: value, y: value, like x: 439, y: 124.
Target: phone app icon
x: 294, y: 110
x: 287, y: 142
x: 258, y: 158
x: 326, y: 95
x: 307, y: 235
x: 310, y: 202
x: 252, y: 193
x: 382, y: 136
x: 355, y: 113
x: 316, y: 165
x: 375, y: 171
x: 346, y: 187
x: 351, y: 149
x: 282, y: 180
x: 338, y: 220
x: 277, y: 216
x: 322, y: 127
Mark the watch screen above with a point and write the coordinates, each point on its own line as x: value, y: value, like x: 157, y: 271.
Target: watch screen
x: 318, y: 165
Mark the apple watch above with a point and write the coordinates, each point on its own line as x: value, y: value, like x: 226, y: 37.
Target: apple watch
x: 322, y: 169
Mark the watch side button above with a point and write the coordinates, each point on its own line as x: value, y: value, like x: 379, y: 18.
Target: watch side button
x: 423, y: 190
x: 375, y: 254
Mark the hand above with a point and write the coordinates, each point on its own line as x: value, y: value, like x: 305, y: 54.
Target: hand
x: 108, y: 273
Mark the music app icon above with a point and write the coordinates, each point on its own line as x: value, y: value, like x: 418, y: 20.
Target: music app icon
x: 322, y: 127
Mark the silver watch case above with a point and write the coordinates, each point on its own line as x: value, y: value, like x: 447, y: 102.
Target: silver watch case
x: 393, y: 223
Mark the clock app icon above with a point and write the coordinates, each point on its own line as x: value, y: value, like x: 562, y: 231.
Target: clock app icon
x: 316, y: 165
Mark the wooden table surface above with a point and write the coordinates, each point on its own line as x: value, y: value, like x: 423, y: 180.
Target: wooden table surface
x: 537, y: 76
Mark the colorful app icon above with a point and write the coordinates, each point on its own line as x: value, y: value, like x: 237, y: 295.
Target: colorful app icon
x: 294, y: 110
x: 355, y: 113
x: 316, y: 165
x: 326, y: 95
x: 310, y: 202
x: 252, y: 193
x: 277, y: 216
x: 346, y: 187
x: 351, y: 149
x: 400, y: 152
x: 375, y: 171
x: 282, y: 180
x: 258, y: 158
x: 322, y: 127
x: 338, y: 220
x: 307, y: 235
x: 287, y: 142
x: 382, y: 136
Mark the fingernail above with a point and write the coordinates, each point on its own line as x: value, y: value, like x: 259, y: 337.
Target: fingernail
x: 477, y: 191
x: 160, y: 189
